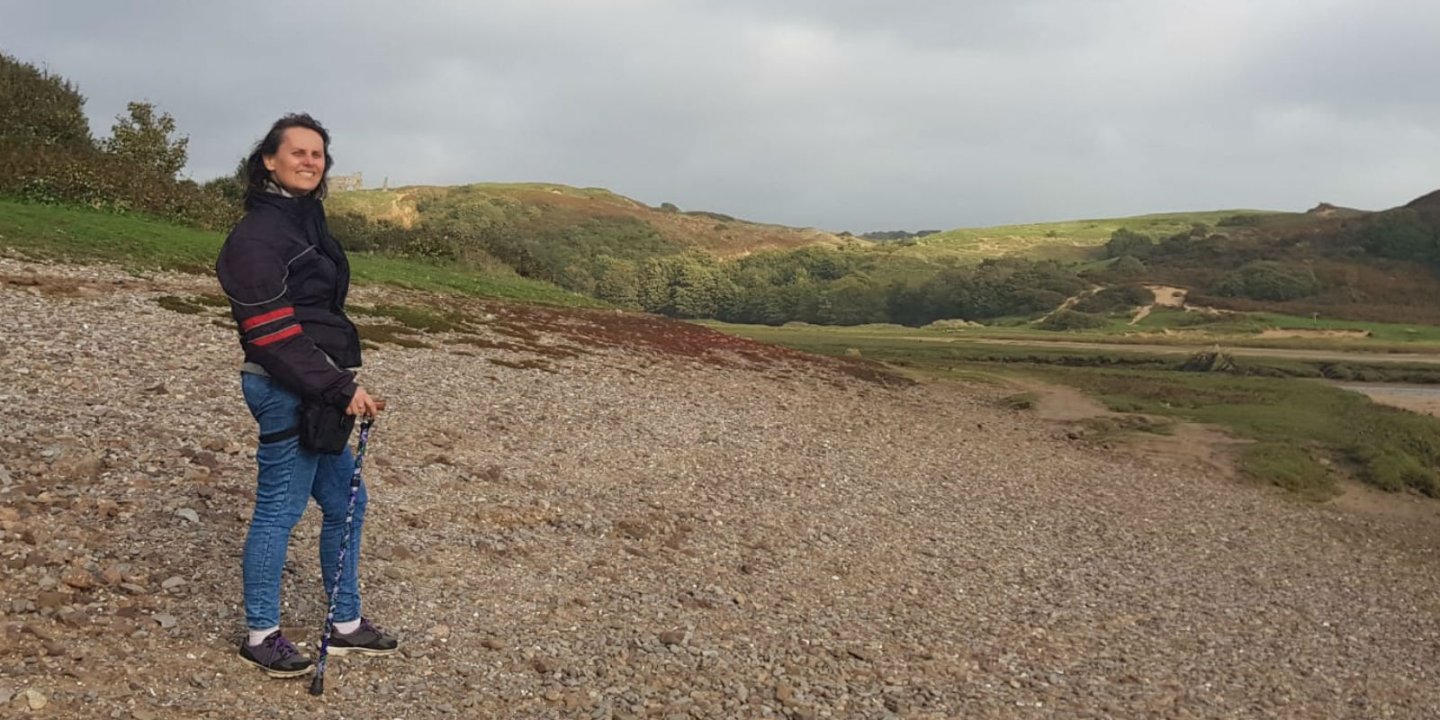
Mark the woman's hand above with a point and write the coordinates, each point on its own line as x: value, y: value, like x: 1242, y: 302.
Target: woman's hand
x: 361, y: 404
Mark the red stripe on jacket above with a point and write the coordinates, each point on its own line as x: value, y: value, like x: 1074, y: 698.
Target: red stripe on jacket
x: 276, y: 336
x: 268, y: 317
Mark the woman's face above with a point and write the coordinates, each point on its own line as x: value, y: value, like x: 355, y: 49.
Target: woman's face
x: 299, y: 164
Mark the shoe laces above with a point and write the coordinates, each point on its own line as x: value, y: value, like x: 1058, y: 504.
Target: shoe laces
x: 365, y: 624
x: 279, y: 647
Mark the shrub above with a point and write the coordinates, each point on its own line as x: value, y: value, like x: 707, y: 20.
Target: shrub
x: 1126, y: 267
x: 40, y: 109
x: 1129, y: 242
x: 1400, y: 234
x: 1072, y: 320
x: 1268, y: 280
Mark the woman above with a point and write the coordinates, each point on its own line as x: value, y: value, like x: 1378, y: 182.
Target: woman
x: 287, y: 279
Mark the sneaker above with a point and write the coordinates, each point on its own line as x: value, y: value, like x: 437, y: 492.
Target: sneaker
x: 368, y: 639
x: 277, y: 656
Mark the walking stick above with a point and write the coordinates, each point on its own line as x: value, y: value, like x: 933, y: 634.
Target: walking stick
x: 317, y: 684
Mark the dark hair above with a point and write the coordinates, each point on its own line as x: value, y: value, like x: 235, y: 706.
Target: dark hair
x: 257, y: 177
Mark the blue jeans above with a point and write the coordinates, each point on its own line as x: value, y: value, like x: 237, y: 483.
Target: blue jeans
x: 288, y: 477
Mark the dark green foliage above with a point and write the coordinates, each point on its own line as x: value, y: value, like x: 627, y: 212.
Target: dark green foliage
x: 1128, y: 242
x: 1073, y: 320
x: 1400, y: 234
x: 143, y: 142
x: 1243, y: 220
x: 854, y: 300
x: 1268, y: 280
x: 617, y: 282
x: 686, y: 286
x: 1126, y: 267
x: 40, y: 110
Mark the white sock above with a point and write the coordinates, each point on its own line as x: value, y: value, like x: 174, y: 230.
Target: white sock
x: 347, y: 627
x: 258, y: 636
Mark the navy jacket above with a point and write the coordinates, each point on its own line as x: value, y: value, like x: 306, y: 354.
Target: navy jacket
x: 287, y: 279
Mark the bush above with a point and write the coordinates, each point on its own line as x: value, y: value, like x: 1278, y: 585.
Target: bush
x: 1126, y: 267
x: 38, y: 109
x: 1129, y: 242
x: 1268, y: 280
x: 1243, y: 220
x: 1072, y: 320
x: 1400, y: 234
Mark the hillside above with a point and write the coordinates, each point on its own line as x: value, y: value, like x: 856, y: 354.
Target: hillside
x: 1068, y: 240
x: 582, y: 513
x: 547, y: 208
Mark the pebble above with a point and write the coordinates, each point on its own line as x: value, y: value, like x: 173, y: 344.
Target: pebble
x: 35, y: 700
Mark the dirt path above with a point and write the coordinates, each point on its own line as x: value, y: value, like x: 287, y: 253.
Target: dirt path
x: 1165, y: 296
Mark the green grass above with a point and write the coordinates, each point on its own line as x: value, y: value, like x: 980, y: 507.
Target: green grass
x: 1297, y: 425
x: 138, y: 243
x: 81, y: 234
x: 1168, y: 327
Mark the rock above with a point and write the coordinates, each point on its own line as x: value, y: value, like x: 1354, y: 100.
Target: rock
x: 51, y: 599
x: 166, y: 621
x: 6, y: 692
x: 112, y: 576
x: 493, y: 644
x: 784, y: 694
x: 78, y: 578
x: 172, y: 582
x: 188, y: 514
x: 672, y: 637
x: 440, y: 631
x: 35, y: 700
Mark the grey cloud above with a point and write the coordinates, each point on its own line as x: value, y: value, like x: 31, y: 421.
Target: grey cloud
x: 838, y: 114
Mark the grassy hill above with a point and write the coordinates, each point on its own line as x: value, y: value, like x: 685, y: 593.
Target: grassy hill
x: 547, y: 208
x: 1072, y: 239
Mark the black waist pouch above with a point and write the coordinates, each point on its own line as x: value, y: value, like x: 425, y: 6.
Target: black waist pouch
x: 324, y: 428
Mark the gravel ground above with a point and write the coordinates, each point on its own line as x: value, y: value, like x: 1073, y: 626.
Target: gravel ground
x: 599, y: 528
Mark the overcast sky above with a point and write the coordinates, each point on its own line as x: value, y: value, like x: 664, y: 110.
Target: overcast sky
x: 838, y: 114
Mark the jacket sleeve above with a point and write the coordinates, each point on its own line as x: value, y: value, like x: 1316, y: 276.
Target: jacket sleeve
x: 253, y: 276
